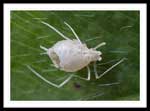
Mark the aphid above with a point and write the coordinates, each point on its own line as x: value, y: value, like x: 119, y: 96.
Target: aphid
x: 72, y: 55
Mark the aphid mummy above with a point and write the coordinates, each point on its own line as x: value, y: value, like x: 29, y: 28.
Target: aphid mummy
x: 72, y: 55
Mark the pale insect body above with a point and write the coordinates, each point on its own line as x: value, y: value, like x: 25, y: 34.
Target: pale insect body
x: 71, y: 56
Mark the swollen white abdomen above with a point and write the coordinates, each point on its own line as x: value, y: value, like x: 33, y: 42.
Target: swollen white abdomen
x: 71, y: 55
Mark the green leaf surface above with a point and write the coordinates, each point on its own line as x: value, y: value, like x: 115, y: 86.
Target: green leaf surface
x: 119, y: 29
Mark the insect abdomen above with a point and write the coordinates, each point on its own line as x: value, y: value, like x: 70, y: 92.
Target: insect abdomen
x: 70, y: 55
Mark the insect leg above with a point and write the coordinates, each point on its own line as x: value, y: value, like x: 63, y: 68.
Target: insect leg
x: 44, y: 53
x: 99, y: 76
x: 89, y: 75
x: 45, y: 80
x: 109, y: 84
x: 44, y: 48
x: 53, y: 28
x: 77, y: 37
x: 99, y: 45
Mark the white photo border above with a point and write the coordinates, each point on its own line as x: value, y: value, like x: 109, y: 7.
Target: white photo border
x: 8, y: 103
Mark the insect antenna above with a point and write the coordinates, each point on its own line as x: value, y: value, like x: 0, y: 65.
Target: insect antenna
x: 109, y: 69
x: 99, y: 45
